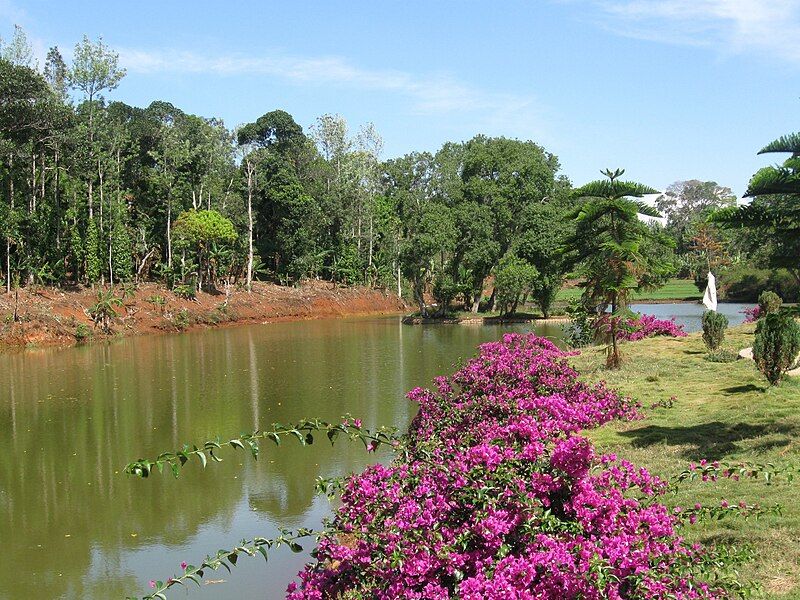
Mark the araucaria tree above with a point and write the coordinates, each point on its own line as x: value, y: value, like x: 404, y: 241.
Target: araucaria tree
x: 610, y: 247
x: 774, y: 213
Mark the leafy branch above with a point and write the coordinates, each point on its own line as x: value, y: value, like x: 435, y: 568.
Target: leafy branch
x: 303, y: 431
x: 724, y: 510
x: 227, y: 559
x: 706, y: 471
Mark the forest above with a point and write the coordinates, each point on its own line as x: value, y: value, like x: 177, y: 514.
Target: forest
x: 98, y: 192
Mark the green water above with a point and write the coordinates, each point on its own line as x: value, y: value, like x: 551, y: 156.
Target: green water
x: 72, y: 525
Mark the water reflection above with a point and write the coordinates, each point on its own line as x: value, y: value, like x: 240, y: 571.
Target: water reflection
x: 73, y: 526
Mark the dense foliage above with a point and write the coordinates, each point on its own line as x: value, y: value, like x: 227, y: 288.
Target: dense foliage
x: 98, y: 191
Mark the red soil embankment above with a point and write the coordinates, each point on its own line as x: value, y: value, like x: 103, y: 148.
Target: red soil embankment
x: 55, y: 317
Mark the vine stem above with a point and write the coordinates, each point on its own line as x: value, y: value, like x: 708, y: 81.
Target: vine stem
x: 228, y: 559
x: 303, y: 431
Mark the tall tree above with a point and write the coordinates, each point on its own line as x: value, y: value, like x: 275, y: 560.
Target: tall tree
x: 18, y: 50
x: 685, y: 204
x: 95, y: 69
x: 500, y: 177
x: 25, y: 117
x: 608, y: 245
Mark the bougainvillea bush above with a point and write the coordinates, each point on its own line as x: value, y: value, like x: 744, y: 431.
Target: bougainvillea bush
x: 497, y: 496
x: 645, y: 326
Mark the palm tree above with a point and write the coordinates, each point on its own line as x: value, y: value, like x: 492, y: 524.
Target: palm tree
x: 608, y: 244
x: 775, y: 210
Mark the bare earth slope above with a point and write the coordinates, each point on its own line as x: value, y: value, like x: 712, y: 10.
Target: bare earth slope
x: 50, y: 316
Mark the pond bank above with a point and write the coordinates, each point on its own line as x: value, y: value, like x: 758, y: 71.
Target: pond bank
x: 60, y: 317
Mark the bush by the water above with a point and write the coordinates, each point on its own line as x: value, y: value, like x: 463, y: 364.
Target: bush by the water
x: 714, y: 326
x: 776, y: 346
x: 498, y: 497
x: 645, y: 326
x: 768, y: 303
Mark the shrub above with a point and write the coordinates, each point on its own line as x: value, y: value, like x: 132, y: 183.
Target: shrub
x: 580, y: 330
x: 82, y: 332
x: 181, y: 320
x: 751, y: 315
x: 645, y: 326
x: 714, y: 326
x: 187, y: 291
x: 104, y: 313
x: 721, y: 356
x: 776, y: 346
x: 768, y: 303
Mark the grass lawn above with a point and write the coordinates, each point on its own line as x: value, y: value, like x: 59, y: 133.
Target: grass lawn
x: 725, y: 412
x: 675, y: 289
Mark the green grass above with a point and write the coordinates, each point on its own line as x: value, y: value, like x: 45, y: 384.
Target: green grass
x: 675, y: 289
x: 723, y: 411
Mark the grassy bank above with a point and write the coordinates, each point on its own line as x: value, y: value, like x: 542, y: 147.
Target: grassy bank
x: 675, y: 289
x: 722, y: 411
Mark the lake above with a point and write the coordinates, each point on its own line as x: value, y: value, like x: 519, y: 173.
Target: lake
x: 74, y: 526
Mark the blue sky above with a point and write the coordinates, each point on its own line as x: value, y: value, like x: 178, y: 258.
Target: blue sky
x: 667, y: 89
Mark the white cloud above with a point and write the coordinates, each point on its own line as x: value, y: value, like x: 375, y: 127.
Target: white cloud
x: 428, y: 94
x: 769, y: 27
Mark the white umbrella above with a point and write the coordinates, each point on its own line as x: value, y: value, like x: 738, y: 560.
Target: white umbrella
x: 710, y: 296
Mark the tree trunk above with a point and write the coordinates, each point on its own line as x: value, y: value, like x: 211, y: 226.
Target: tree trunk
x: 493, y: 299
x: 169, y: 232
x: 399, y: 289
x: 110, y: 262
x: 249, y: 226
x: 11, y: 205
x: 419, y: 294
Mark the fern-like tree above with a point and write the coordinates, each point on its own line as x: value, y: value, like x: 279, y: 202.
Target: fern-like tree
x: 775, y: 210
x: 613, y: 248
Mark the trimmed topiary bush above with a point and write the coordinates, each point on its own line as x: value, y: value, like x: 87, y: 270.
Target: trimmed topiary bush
x: 776, y: 346
x: 714, y: 326
x: 768, y: 303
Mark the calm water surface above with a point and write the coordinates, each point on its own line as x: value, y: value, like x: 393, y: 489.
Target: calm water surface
x: 690, y: 315
x: 73, y: 526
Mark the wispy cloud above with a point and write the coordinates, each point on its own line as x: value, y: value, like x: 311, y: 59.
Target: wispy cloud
x: 429, y: 94
x: 768, y: 27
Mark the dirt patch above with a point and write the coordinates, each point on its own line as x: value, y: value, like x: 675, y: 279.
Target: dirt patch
x: 56, y: 317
